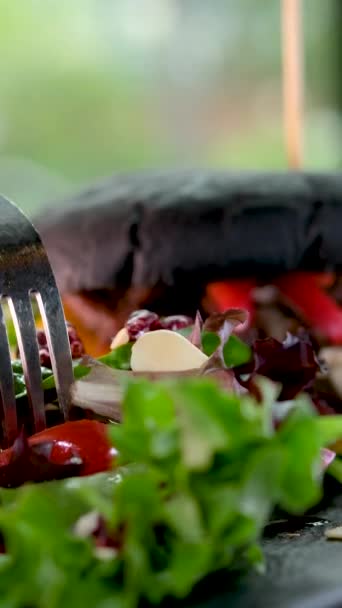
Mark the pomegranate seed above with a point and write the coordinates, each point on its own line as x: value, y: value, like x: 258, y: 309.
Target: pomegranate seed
x: 140, y: 322
x: 44, y: 357
x: 175, y: 322
x: 77, y: 349
x: 41, y: 337
x: 76, y: 346
x: 72, y: 332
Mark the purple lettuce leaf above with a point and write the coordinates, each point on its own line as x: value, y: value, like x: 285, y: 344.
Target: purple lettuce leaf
x: 196, y: 334
x: 291, y: 363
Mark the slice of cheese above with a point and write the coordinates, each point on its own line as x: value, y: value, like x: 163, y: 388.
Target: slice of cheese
x: 120, y: 338
x: 165, y: 351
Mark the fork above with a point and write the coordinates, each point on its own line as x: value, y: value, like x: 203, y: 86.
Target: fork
x: 25, y: 274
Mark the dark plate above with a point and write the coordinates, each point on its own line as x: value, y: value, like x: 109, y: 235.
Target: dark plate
x: 304, y: 570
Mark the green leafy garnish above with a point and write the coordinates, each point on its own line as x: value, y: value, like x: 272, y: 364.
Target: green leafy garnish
x: 80, y: 370
x: 19, y: 380
x: 235, y: 351
x: 201, y: 471
x: 210, y: 342
x: 119, y: 358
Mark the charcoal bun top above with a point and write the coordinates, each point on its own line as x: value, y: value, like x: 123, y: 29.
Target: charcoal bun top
x: 168, y: 227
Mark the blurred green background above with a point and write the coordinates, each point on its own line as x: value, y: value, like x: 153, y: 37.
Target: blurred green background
x: 90, y: 87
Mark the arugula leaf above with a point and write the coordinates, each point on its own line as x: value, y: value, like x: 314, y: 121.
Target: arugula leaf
x: 19, y: 385
x: 119, y: 358
x: 48, y: 379
x: 210, y: 342
x: 235, y: 351
x: 19, y: 380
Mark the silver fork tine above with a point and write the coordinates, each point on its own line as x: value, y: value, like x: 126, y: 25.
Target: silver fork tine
x: 9, y: 411
x: 54, y: 324
x: 24, y: 324
x: 25, y: 270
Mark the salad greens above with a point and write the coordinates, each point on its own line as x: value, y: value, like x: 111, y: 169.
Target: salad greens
x: 200, y: 473
x: 119, y: 358
x: 201, y: 468
x: 19, y: 380
x: 236, y: 352
x: 48, y: 379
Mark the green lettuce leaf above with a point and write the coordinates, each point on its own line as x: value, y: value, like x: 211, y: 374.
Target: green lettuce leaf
x: 200, y: 472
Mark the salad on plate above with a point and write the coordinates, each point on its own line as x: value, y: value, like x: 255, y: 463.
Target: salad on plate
x: 182, y: 441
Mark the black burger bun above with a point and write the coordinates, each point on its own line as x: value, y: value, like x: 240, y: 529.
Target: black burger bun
x: 139, y: 230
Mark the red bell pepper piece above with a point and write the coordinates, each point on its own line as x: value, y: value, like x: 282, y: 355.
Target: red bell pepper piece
x: 317, y: 307
x: 323, y: 279
x: 235, y: 293
x: 85, y: 438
